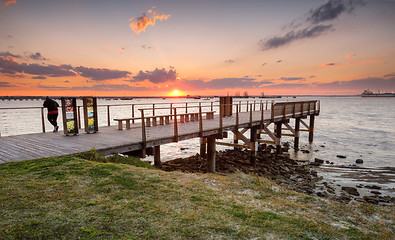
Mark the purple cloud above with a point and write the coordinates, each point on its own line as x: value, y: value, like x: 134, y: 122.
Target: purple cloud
x: 6, y: 84
x: 156, y: 76
x: 101, y: 74
x: 9, y: 66
x: 8, y: 54
x: 37, y: 56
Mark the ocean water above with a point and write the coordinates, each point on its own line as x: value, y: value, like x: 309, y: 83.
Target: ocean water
x: 355, y: 127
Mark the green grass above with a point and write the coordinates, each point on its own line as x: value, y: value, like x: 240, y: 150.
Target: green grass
x: 70, y: 197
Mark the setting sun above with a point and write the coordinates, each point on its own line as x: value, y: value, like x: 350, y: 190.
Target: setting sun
x: 175, y: 92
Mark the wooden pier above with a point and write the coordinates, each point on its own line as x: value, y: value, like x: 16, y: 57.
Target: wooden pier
x: 149, y: 133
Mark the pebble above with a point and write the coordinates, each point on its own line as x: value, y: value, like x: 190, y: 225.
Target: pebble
x: 359, y: 161
x: 341, y: 156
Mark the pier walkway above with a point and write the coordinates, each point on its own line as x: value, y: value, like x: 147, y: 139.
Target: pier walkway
x: 141, y: 137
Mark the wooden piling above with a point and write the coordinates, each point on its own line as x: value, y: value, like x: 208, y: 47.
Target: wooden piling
x: 278, y: 136
x: 253, y: 150
x: 297, y: 132
x: 311, y: 128
x: 157, y: 161
x: 203, y: 146
x: 211, y: 151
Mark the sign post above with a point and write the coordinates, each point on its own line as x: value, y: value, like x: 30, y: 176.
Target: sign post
x: 90, y: 114
x: 69, y: 112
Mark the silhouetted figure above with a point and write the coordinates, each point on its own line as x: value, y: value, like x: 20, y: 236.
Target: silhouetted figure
x: 52, y: 112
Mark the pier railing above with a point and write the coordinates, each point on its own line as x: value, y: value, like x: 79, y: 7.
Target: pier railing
x: 278, y: 112
x: 137, y: 109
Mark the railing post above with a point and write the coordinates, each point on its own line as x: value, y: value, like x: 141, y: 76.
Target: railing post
x: 251, y: 115
x: 79, y: 117
x: 212, y: 109
x: 293, y: 112
x: 153, y: 109
x: 254, y: 105
x: 108, y: 115
x: 272, y: 111
x: 237, y: 117
x: 247, y: 105
x: 144, y: 134
x: 262, y: 115
x: 200, y: 122
x: 301, y: 111
x: 133, y: 113
x: 220, y: 120
x: 284, y: 110
x: 186, y: 107
x: 43, y: 119
x: 171, y: 110
x: 175, y: 126
x: 266, y: 103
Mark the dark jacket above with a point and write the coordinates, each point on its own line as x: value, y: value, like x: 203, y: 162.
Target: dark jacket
x: 51, y: 105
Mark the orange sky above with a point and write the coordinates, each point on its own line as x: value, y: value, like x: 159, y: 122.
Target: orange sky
x: 142, y: 48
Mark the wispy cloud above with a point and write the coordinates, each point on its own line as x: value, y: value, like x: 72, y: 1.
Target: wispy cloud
x: 230, y: 61
x: 292, y: 78
x: 221, y: 83
x: 110, y: 87
x: 156, y: 76
x: 139, y: 24
x: 350, y: 56
x: 332, y: 9
x: 279, y: 41
x: 311, y: 26
x: 39, y: 77
x: 328, y: 64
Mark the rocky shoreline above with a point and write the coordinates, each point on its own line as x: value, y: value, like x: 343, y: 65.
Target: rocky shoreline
x: 300, y: 176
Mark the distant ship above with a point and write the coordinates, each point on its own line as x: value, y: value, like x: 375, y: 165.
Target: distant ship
x: 368, y: 93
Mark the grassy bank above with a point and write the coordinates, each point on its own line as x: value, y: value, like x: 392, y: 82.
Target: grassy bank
x: 71, y: 198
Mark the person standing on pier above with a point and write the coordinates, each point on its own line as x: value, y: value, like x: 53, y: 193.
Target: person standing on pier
x: 52, y: 107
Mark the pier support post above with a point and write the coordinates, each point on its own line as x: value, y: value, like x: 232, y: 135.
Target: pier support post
x: 311, y: 128
x: 211, y: 154
x: 297, y: 128
x: 235, y: 141
x: 278, y: 136
x: 253, y: 150
x: 203, y: 146
x: 157, y: 156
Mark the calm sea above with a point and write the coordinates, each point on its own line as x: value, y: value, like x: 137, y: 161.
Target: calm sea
x: 355, y: 127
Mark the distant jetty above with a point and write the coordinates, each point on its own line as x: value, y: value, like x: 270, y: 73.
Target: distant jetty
x: 368, y: 93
